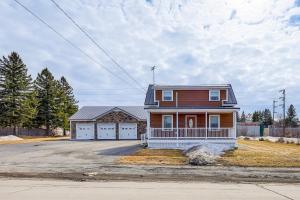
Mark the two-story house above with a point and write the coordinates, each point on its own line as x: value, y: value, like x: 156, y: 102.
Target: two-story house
x: 184, y: 116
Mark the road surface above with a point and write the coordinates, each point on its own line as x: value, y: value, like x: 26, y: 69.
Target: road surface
x: 13, y: 189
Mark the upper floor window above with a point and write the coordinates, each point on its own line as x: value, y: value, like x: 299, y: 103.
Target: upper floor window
x: 214, y: 95
x: 167, y: 95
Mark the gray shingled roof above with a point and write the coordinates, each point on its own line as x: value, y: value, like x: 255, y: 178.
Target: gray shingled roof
x: 231, y: 96
x: 149, y: 100
x: 92, y: 112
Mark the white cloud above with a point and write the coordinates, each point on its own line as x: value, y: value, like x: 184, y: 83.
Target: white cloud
x: 250, y: 44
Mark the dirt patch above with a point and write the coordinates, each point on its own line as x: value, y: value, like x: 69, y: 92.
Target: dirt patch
x: 262, y: 154
x: 155, y: 157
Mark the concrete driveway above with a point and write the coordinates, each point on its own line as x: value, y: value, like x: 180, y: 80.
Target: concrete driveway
x: 62, y: 156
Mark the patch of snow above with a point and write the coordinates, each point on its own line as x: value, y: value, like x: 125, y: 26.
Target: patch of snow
x: 272, y: 139
x: 205, y: 154
x: 10, y: 138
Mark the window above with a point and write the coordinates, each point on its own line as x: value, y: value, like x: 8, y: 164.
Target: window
x: 167, y: 121
x: 214, y: 121
x: 214, y: 95
x: 167, y: 95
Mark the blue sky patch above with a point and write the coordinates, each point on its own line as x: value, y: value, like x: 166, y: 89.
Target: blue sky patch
x: 294, y: 20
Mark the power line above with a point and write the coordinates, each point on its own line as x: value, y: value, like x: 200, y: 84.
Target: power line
x: 71, y: 43
x: 96, y: 43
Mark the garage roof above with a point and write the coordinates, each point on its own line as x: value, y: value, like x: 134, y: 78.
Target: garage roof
x: 92, y: 112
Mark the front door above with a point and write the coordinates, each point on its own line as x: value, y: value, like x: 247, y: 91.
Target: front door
x: 191, y: 121
x: 190, y: 124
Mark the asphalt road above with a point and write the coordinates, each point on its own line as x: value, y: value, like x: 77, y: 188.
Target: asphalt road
x: 46, y: 190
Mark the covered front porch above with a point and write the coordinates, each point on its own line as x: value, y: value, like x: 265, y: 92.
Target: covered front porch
x: 179, y: 129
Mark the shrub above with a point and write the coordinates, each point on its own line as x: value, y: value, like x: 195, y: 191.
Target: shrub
x: 261, y: 139
x: 246, y: 138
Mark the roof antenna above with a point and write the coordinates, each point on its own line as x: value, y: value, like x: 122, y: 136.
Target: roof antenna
x: 153, y: 70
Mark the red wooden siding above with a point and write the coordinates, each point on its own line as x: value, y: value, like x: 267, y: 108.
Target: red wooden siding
x: 190, y: 98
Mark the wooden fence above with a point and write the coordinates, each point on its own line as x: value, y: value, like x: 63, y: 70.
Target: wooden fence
x: 289, y: 132
x: 29, y: 131
x: 250, y: 131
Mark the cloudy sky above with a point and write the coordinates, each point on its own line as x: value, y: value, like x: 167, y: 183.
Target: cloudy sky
x: 252, y: 44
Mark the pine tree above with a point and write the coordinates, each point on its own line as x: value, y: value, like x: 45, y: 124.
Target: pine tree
x: 291, y: 119
x: 267, y: 117
x: 68, y: 103
x: 15, y: 91
x: 255, y: 116
x: 48, y: 98
x: 243, y: 117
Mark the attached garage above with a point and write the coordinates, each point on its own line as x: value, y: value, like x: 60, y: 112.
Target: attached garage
x: 85, y: 131
x: 127, y: 131
x: 108, y: 123
x: 106, y: 131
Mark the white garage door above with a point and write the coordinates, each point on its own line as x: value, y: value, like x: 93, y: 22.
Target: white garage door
x: 128, y: 131
x: 85, y: 131
x: 106, y: 131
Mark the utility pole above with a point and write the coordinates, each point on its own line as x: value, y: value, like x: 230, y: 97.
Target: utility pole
x: 153, y: 70
x: 274, y: 111
x: 283, y: 108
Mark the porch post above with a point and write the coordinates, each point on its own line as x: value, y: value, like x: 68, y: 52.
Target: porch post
x: 148, y: 125
x: 206, y: 131
x: 234, y: 124
x: 177, y: 124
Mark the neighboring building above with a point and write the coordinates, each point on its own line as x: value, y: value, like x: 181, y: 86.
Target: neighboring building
x: 108, y: 123
x: 184, y: 116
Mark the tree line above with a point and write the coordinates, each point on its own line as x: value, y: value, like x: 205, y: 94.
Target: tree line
x: 44, y: 102
x: 265, y: 117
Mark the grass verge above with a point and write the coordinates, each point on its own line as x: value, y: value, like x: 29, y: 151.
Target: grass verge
x: 155, y: 157
x: 262, y: 154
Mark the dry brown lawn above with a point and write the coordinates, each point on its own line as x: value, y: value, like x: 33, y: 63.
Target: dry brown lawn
x: 155, y: 157
x: 30, y: 139
x: 262, y: 154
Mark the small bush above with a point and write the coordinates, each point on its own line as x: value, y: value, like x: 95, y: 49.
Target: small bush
x: 246, y: 138
x: 261, y: 139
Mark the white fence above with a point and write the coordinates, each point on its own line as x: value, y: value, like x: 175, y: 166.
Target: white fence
x: 250, y: 131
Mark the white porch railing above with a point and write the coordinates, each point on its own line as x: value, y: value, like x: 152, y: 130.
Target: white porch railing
x: 191, y: 133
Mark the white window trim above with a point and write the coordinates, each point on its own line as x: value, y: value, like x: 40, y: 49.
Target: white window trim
x: 163, y: 122
x: 210, y: 95
x: 210, y: 120
x: 163, y: 95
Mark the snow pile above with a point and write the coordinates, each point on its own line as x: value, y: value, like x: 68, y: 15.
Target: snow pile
x: 10, y: 138
x: 272, y: 139
x: 204, y: 154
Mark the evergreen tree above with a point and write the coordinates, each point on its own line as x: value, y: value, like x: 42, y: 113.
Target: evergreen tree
x: 255, y: 116
x: 67, y: 103
x: 243, y: 117
x: 291, y: 119
x: 267, y: 117
x: 15, y: 92
x: 48, y: 98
